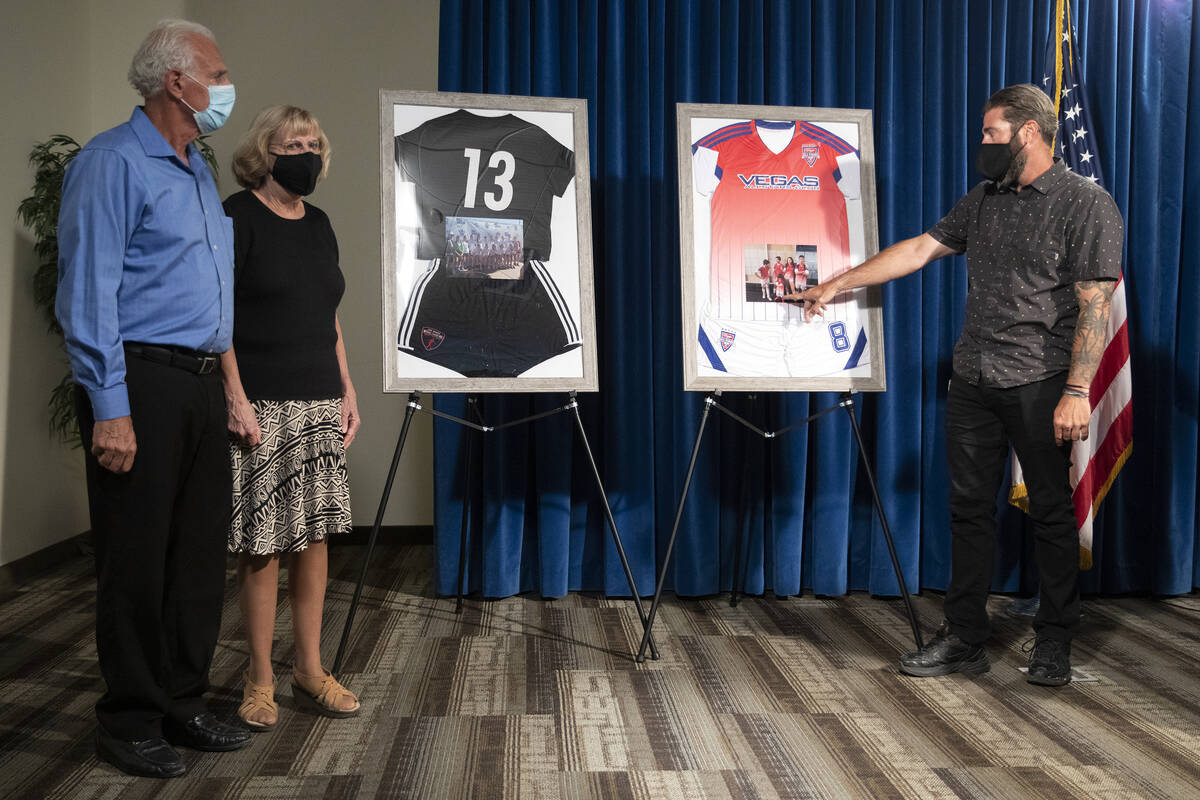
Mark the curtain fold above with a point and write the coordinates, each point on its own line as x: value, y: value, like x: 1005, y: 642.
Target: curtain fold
x: 800, y: 504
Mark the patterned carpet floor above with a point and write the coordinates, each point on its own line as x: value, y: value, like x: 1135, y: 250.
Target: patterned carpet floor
x: 526, y: 698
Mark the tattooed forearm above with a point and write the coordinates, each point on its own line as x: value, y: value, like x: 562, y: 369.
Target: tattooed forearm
x: 1094, y: 298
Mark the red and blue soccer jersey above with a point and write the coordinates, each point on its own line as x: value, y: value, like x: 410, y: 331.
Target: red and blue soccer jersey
x: 761, y: 198
x: 764, y: 203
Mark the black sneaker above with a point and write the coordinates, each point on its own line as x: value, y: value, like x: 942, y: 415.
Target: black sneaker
x: 947, y: 653
x: 1050, y: 663
x: 1024, y: 606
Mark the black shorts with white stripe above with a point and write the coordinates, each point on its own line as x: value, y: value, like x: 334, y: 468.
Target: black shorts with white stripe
x: 481, y: 327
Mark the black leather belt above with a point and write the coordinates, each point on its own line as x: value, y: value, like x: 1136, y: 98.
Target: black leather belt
x: 172, y: 356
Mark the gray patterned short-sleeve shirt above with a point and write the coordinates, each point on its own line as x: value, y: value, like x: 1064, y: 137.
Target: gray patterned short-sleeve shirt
x: 1025, y: 251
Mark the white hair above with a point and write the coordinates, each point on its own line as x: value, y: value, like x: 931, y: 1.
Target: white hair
x: 166, y: 47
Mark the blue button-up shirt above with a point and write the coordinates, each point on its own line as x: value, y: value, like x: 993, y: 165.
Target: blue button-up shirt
x: 145, y: 255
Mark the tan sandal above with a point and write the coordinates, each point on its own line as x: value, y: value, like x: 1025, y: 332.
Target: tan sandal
x: 323, y: 694
x: 258, y: 697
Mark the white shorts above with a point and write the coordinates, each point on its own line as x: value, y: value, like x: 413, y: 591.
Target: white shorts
x: 789, y: 347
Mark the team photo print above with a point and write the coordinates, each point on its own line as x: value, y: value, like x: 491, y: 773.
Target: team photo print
x: 484, y: 248
x: 774, y: 271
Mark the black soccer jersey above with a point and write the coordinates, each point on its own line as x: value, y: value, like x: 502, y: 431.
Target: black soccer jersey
x: 468, y: 166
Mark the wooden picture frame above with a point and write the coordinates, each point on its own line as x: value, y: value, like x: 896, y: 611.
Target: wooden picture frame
x: 769, y: 205
x: 485, y: 243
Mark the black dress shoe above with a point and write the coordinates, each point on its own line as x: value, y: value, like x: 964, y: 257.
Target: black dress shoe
x: 205, y: 732
x: 149, y: 758
x: 947, y: 653
x: 1050, y: 663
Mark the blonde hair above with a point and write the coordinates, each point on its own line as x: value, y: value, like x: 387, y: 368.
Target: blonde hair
x: 250, y: 158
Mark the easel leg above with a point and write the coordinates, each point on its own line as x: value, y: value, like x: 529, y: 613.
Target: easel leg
x: 742, y: 532
x: 662, y: 576
x: 467, y: 506
x: 413, y: 401
x: 848, y: 404
x: 612, y: 524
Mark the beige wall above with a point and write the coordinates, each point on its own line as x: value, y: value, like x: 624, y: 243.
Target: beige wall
x: 116, y: 28
x: 63, y: 71
x: 41, y: 481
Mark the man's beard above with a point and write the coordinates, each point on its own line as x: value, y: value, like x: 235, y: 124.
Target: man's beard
x: 1015, y: 167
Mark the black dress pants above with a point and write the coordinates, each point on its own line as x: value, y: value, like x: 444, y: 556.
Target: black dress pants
x: 160, y: 537
x: 981, y: 421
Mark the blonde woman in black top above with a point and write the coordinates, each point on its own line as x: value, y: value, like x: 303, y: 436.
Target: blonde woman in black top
x: 292, y: 406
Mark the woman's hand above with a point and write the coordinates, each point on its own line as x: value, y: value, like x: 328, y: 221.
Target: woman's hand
x: 351, y: 421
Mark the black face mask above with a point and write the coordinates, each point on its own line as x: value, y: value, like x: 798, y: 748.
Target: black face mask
x: 993, y: 159
x: 297, y: 173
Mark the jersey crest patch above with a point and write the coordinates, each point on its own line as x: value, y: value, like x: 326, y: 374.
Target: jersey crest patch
x: 431, y: 338
x: 810, y: 153
x: 727, y: 338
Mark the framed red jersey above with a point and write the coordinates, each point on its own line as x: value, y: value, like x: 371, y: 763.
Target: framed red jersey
x: 486, y: 249
x: 792, y: 189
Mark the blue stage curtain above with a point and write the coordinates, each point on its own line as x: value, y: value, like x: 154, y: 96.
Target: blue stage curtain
x: 924, y: 69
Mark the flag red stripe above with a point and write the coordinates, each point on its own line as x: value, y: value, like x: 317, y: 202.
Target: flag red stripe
x: 1099, y: 468
x: 1116, y: 353
x: 1119, y: 433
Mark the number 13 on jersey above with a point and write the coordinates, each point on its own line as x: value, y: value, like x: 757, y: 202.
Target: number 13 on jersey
x: 501, y: 160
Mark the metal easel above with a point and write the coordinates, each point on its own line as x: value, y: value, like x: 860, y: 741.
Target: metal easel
x: 711, y: 401
x: 477, y: 425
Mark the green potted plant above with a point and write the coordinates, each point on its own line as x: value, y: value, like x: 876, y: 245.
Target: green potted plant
x: 39, y: 213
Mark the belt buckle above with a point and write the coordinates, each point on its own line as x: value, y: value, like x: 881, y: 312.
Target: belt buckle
x: 207, y: 365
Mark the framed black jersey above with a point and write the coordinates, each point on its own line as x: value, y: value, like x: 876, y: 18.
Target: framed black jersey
x: 486, y: 248
x: 772, y: 202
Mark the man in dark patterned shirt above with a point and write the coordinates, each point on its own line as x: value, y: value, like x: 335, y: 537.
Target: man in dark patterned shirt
x: 1043, y: 249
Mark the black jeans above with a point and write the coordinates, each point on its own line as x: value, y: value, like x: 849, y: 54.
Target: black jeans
x: 160, y: 538
x: 981, y: 421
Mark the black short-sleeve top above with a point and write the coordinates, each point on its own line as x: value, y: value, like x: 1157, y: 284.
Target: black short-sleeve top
x: 1025, y: 252
x: 287, y: 286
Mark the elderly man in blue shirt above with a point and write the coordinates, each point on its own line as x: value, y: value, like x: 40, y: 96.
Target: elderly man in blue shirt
x: 145, y: 297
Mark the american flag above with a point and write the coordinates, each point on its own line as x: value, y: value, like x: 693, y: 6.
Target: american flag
x: 1062, y: 80
x: 1096, y: 461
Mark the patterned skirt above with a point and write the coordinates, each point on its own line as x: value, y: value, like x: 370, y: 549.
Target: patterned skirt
x: 291, y: 489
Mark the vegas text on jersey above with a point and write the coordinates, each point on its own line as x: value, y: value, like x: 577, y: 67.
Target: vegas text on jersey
x: 486, y: 305
x: 777, y: 195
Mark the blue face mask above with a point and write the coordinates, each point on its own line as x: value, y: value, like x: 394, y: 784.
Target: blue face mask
x: 220, y: 105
